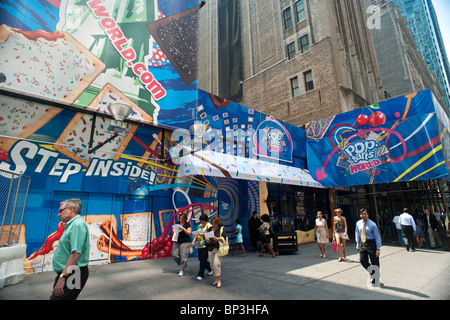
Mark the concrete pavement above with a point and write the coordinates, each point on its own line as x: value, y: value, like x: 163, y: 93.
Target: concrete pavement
x: 420, y: 275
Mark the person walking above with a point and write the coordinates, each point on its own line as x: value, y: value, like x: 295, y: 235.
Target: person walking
x: 265, y: 235
x: 340, y: 233
x: 408, y: 229
x: 71, y: 256
x: 202, y: 251
x: 447, y: 226
x: 182, y: 245
x: 398, y: 228
x: 253, y: 225
x: 321, y: 233
x: 368, y: 243
x: 213, y: 249
x: 431, y: 226
x: 419, y: 232
x: 239, y: 238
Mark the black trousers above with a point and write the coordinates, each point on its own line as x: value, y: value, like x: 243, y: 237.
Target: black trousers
x: 254, y: 238
x: 204, y: 263
x: 72, y: 288
x: 368, y: 250
x: 408, y: 237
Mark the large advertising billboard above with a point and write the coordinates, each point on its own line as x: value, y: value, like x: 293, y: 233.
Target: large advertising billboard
x: 401, y: 139
x: 70, y: 50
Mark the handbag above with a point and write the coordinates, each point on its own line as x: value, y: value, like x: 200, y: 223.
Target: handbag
x: 224, y: 247
x: 334, y: 245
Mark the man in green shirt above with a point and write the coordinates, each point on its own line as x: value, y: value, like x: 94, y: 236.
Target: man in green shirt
x: 71, y: 257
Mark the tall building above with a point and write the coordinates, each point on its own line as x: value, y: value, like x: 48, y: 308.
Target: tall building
x: 405, y: 71
x: 302, y: 60
x: 425, y: 29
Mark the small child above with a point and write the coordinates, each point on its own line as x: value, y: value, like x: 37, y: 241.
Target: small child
x: 239, y: 238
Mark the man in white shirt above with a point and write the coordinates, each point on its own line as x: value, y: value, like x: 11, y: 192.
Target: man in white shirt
x: 408, y: 228
x: 398, y: 227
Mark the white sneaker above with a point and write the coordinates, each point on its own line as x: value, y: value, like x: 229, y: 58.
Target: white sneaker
x: 210, y: 273
x: 199, y: 278
x: 181, y: 273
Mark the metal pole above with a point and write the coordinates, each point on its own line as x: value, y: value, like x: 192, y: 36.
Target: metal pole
x: 14, y: 208
x: 23, y: 211
x: 6, y: 206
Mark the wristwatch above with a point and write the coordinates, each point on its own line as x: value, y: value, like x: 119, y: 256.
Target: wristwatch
x: 63, y: 276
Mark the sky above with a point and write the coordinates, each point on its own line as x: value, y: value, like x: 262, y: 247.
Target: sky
x: 442, y: 8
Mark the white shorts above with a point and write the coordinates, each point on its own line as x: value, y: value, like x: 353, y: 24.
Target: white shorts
x: 341, y: 235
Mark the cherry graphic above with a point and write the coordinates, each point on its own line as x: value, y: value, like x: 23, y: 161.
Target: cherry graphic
x: 377, y: 119
x: 160, y: 247
x: 362, y: 120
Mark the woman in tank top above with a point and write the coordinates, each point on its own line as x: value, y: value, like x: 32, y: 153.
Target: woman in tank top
x: 340, y: 233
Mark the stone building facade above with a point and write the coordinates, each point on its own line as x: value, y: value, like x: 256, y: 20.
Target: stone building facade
x: 405, y: 71
x: 302, y: 60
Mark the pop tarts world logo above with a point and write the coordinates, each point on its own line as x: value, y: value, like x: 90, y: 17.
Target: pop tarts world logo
x: 363, y: 155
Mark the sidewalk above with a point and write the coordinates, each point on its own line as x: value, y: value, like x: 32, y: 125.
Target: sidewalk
x: 420, y: 275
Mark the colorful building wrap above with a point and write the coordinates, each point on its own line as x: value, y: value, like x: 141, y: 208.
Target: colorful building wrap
x: 234, y: 129
x: 70, y: 50
x: 401, y: 139
x: 130, y: 191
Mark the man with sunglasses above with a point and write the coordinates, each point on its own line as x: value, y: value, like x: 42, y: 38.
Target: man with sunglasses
x: 71, y: 257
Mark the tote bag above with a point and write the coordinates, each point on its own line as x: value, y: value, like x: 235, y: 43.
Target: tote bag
x: 223, y: 245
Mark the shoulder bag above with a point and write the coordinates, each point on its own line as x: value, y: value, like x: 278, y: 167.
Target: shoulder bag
x: 223, y: 245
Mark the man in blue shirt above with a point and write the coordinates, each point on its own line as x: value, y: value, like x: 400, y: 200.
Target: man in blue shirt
x: 368, y: 243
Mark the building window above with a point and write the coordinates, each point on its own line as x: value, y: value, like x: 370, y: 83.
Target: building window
x: 287, y: 15
x: 300, y: 9
x: 291, y: 50
x: 304, y: 43
x: 309, y: 84
x: 295, y: 88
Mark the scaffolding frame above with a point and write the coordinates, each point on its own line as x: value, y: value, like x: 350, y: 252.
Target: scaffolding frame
x: 389, y: 199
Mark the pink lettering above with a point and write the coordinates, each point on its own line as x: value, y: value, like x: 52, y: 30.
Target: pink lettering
x: 147, y: 77
x: 108, y: 23
x: 118, y: 44
x: 128, y: 54
x: 115, y: 33
x: 138, y: 68
x: 355, y: 168
x: 97, y: 8
x: 156, y: 90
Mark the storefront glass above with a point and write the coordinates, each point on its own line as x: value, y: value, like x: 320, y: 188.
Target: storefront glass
x: 295, y: 207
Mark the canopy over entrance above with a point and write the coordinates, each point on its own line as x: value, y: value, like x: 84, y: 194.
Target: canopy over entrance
x: 216, y: 164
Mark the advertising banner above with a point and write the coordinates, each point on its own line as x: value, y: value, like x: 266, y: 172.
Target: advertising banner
x: 71, y: 50
x: 233, y: 129
x: 399, y: 139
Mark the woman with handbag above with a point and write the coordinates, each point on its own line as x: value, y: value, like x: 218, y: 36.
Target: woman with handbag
x: 214, y: 253
x: 340, y: 233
